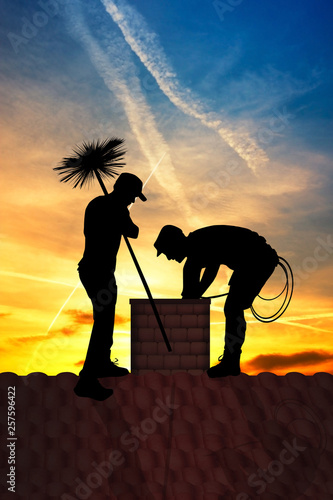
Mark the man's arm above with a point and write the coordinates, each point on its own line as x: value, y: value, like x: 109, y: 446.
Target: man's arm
x: 129, y: 228
x: 191, y: 280
x: 193, y: 287
x: 208, y: 277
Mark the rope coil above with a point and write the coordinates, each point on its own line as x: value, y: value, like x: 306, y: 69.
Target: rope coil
x: 288, y: 289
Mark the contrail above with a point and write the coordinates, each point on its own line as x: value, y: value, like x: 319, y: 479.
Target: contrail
x: 310, y: 316
x: 64, y: 304
x: 136, y: 109
x: 115, y: 67
x: 291, y: 320
x: 153, y: 171
x: 34, y: 278
x: 52, y: 323
x: 150, y: 175
x: 147, y: 47
x: 79, y: 283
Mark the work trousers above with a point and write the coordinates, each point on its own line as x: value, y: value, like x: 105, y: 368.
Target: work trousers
x: 245, y: 284
x: 100, y: 285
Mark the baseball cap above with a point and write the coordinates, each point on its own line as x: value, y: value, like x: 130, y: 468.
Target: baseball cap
x: 130, y: 183
x: 168, y: 235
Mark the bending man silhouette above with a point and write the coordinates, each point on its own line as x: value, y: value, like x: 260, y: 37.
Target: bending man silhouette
x: 245, y: 252
x: 106, y: 219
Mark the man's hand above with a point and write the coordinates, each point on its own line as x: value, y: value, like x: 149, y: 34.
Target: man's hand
x: 193, y: 287
x: 131, y: 230
x: 191, y: 296
x: 208, y: 277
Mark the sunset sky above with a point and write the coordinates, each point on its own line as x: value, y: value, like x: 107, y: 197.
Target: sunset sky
x: 234, y: 99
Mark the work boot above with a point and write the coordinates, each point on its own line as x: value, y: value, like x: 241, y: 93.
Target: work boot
x: 89, y: 387
x: 228, y: 365
x: 104, y: 367
x: 111, y: 369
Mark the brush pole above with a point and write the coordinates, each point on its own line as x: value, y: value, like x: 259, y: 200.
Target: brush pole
x: 101, y: 183
x: 143, y: 279
x: 150, y: 297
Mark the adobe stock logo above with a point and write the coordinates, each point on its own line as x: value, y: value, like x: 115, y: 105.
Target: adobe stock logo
x: 223, y: 8
x: 130, y: 441
x: 311, y: 263
x: 39, y: 19
x: 292, y: 465
x: 263, y: 477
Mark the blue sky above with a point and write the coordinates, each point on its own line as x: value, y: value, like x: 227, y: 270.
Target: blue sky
x: 259, y: 57
x: 236, y: 100
x: 258, y: 61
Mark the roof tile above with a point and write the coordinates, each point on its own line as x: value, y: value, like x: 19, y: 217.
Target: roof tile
x: 211, y: 434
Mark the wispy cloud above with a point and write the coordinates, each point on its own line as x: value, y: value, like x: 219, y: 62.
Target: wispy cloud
x: 4, y: 315
x: 263, y: 91
x: 80, y: 317
x: 79, y: 363
x: 278, y: 361
x: 121, y: 320
x: 115, y: 67
x: 68, y: 331
x: 28, y: 339
x: 146, y: 45
x: 86, y: 318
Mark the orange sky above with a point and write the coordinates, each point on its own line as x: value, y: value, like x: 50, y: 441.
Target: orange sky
x: 248, y: 155
x: 44, y: 243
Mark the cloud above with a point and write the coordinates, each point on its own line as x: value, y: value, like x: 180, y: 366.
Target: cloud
x: 37, y: 339
x: 120, y: 320
x: 147, y: 47
x: 80, y: 317
x: 31, y: 339
x: 86, y: 318
x: 277, y: 361
x: 68, y: 331
x: 4, y: 315
x: 265, y: 91
x: 115, y: 67
x: 79, y: 363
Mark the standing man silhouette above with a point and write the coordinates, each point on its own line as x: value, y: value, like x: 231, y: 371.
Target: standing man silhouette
x: 107, y: 218
x: 245, y: 252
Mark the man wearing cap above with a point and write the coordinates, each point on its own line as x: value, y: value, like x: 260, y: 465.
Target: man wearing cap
x: 107, y: 218
x: 245, y: 252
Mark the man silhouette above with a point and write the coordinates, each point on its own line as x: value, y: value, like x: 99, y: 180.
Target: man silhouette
x: 107, y: 218
x: 245, y: 252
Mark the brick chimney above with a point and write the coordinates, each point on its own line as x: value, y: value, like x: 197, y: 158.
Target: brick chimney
x: 186, y: 322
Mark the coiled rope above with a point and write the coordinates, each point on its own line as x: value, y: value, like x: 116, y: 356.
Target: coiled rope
x: 287, y: 290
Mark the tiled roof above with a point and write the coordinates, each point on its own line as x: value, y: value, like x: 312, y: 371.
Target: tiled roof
x: 179, y: 437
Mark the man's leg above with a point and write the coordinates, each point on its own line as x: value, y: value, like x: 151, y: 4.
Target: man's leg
x: 101, y: 338
x: 101, y: 287
x: 235, y: 327
x: 245, y: 285
x: 88, y: 385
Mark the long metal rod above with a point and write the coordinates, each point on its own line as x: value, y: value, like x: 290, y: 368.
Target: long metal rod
x: 150, y: 297
x: 143, y: 279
